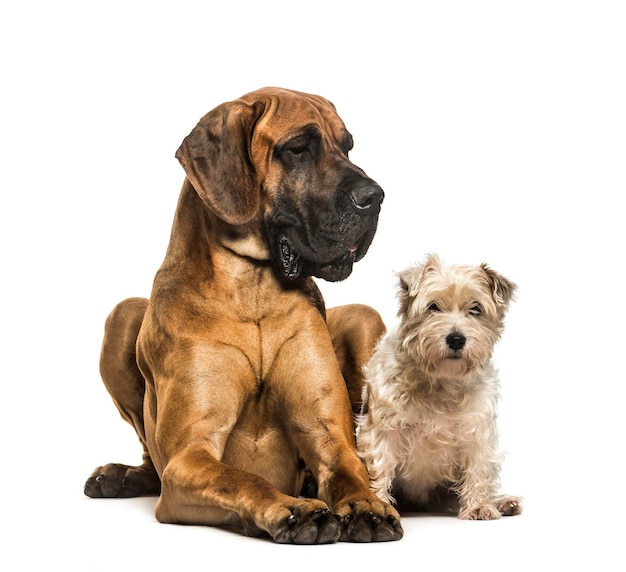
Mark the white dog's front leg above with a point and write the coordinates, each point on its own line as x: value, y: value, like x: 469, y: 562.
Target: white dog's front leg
x: 478, y: 491
x: 379, y: 457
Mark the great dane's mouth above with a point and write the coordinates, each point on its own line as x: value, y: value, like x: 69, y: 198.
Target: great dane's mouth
x: 322, y: 236
x: 293, y: 264
x: 291, y: 260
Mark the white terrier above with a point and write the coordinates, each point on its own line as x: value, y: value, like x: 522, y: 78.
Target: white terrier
x: 427, y: 430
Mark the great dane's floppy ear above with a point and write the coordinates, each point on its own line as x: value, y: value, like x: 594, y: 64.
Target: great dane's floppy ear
x: 216, y: 161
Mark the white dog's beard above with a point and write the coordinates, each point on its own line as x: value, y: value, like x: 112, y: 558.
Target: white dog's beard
x: 433, y: 356
x: 453, y: 368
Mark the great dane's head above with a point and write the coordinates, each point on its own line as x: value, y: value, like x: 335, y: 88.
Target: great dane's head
x: 276, y: 162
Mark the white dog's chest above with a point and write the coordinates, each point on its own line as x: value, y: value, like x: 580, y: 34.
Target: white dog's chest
x: 430, y: 454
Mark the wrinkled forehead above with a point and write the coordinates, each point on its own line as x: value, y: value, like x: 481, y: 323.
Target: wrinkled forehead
x: 288, y: 113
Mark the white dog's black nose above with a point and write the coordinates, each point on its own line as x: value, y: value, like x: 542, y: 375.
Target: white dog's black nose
x: 455, y: 341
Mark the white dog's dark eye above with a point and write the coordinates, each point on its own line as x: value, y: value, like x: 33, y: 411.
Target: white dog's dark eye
x: 433, y: 307
x: 476, y: 310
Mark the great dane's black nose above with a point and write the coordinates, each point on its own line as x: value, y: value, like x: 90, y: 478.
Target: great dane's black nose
x: 455, y: 341
x: 367, y: 196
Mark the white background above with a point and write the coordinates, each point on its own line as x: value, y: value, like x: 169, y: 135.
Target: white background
x: 498, y: 132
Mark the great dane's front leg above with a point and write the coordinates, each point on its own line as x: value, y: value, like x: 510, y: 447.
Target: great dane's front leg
x: 320, y: 419
x: 198, y: 489
x: 218, y: 467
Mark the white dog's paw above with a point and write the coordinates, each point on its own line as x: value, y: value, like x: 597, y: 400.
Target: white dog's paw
x: 509, y: 506
x: 486, y: 512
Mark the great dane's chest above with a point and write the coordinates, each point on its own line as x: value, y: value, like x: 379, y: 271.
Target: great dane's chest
x: 247, y: 325
x: 262, y: 334
x: 260, y: 347
x: 250, y: 359
x: 236, y: 364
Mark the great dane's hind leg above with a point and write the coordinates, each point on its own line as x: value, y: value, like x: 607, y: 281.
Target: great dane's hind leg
x: 123, y: 481
x: 123, y: 380
x: 355, y: 329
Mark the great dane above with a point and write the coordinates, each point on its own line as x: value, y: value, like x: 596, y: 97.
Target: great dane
x: 229, y: 373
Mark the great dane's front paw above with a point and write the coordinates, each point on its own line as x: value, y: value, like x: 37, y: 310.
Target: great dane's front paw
x: 122, y: 481
x: 306, y: 526
x: 371, y: 522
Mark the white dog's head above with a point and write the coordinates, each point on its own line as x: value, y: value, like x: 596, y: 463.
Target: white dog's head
x: 451, y: 315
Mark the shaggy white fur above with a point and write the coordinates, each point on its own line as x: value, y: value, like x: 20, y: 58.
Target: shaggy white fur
x: 428, y: 423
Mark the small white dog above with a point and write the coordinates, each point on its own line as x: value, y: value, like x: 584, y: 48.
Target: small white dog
x: 427, y: 430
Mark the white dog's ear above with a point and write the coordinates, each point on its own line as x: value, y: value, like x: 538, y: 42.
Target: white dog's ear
x: 410, y: 281
x: 411, y: 278
x: 502, y: 288
x: 404, y: 290
x: 432, y: 263
x: 408, y: 288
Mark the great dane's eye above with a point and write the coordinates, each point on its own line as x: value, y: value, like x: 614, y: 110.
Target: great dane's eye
x: 299, y: 148
x: 295, y: 146
x: 476, y: 309
x: 433, y: 307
